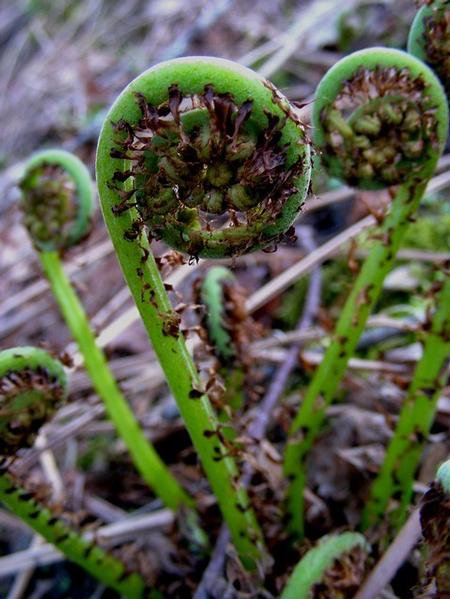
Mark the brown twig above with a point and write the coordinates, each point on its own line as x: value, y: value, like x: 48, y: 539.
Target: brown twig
x: 392, y: 559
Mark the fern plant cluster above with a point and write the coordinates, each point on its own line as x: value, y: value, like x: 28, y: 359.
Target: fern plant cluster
x: 211, y: 159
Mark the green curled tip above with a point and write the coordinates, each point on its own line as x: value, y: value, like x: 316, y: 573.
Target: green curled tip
x: 380, y: 118
x: 313, y: 566
x: 208, y: 155
x: 429, y: 38
x: 443, y: 476
x: 32, y: 386
x: 57, y: 199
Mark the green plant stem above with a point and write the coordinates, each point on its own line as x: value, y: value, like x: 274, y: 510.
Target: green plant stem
x: 103, y: 566
x: 147, y: 461
x: 141, y: 272
x: 322, y: 389
x: 396, y: 475
x: 131, y: 201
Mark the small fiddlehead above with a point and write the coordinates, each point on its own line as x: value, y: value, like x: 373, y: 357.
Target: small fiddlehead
x: 57, y: 202
x: 396, y: 476
x: 381, y: 119
x: 165, y: 132
x: 32, y: 386
x: 429, y: 38
x: 347, y: 551
x: 443, y: 476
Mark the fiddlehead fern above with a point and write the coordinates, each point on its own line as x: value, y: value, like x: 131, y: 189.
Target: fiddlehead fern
x: 214, y: 163
x: 163, y: 138
x: 396, y: 475
x: 57, y: 201
x: 381, y: 119
x: 341, y: 552
x: 429, y: 38
x: 32, y: 386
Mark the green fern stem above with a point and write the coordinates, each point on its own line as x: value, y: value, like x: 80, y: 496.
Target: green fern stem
x: 57, y: 204
x: 180, y: 147
x: 147, y: 461
x: 101, y: 565
x: 396, y: 475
